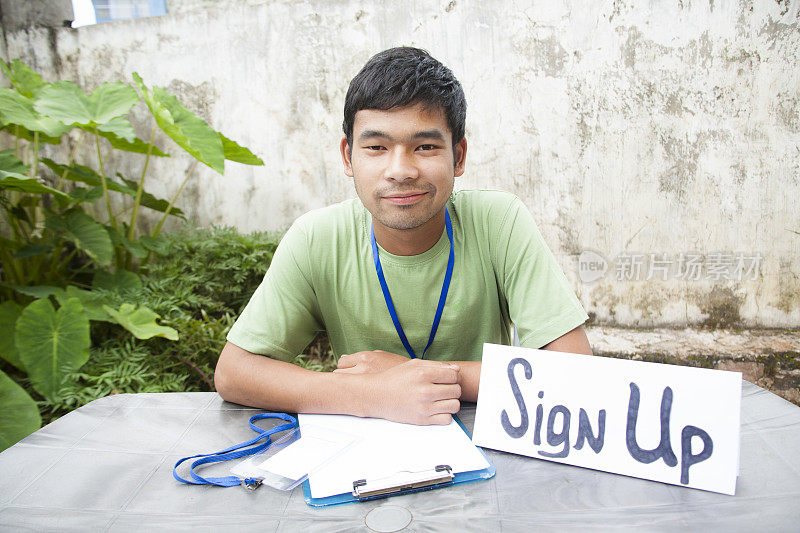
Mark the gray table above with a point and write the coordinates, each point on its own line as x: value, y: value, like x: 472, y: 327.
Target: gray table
x: 108, y: 466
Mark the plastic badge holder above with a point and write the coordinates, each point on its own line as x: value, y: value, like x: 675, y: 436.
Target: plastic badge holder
x: 290, y: 459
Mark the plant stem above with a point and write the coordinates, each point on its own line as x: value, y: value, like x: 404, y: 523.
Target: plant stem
x: 140, y: 189
x: 196, y: 369
x: 174, y: 198
x: 111, y: 218
x: 16, y: 141
x: 71, y: 160
x: 35, y: 155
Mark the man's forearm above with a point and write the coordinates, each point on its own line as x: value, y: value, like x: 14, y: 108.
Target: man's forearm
x: 415, y: 392
x: 259, y: 381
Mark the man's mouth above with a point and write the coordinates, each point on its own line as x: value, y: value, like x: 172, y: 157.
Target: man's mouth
x: 405, y: 198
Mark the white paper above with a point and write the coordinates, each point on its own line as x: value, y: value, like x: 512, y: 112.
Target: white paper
x: 387, y: 448
x: 702, y: 399
x: 313, y: 449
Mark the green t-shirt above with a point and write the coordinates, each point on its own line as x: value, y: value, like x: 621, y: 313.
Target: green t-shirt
x: 322, y: 277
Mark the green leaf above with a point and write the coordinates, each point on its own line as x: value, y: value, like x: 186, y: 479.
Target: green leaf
x: 16, y: 109
x: 9, y: 313
x: 120, y: 134
x: 237, y: 153
x: 37, y: 291
x: 135, y: 248
x: 150, y: 201
x: 141, y: 322
x: 88, y: 176
x: 12, y: 181
x: 23, y: 77
x: 87, y: 234
x: 24, y: 133
x: 92, y: 302
x: 10, y: 163
x: 19, y: 415
x: 188, y: 130
x: 120, y: 281
x: 158, y: 245
x: 31, y: 250
x: 83, y: 194
x: 67, y: 103
x: 52, y: 343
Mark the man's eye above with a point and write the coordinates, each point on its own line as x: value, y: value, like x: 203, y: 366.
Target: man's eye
x: 426, y: 147
x: 376, y: 147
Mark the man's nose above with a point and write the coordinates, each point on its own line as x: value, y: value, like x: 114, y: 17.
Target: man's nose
x: 401, y: 166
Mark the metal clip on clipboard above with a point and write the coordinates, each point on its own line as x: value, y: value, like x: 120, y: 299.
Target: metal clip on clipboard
x: 402, y: 481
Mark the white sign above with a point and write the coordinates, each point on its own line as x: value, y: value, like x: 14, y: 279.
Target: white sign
x: 667, y: 423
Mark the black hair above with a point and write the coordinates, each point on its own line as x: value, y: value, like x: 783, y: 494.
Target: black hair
x: 404, y: 76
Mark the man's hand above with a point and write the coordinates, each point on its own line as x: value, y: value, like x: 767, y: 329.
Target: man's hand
x: 369, y: 362
x: 416, y: 392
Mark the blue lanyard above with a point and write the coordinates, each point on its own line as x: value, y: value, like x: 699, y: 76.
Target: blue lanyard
x: 236, y: 452
x: 442, y: 297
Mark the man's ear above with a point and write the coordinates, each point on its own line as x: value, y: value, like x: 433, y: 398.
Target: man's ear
x: 460, y: 157
x: 344, y: 148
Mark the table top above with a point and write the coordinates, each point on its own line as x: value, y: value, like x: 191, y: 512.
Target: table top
x: 108, y: 466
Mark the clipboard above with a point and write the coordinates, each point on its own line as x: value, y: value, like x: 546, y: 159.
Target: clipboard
x: 404, y: 481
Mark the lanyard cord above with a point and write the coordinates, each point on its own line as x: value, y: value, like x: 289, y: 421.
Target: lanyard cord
x: 442, y: 297
x: 235, y: 452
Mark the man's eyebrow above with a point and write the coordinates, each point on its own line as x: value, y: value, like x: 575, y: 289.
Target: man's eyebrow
x: 435, y: 134
x: 372, y: 134
x: 429, y: 134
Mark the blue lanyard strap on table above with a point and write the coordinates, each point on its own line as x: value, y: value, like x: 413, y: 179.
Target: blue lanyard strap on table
x: 442, y: 297
x: 235, y: 452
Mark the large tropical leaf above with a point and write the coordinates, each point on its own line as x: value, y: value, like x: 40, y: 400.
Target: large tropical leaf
x: 19, y: 416
x: 88, y: 176
x: 148, y: 200
x: 134, y: 247
x: 237, y: 153
x: 92, y: 302
x: 120, y: 134
x: 188, y: 130
x: 36, y: 291
x: 141, y: 322
x: 24, y: 79
x: 52, y: 343
x: 9, y: 313
x: 120, y: 281
x: 24, y: 133
x: 10, y: 163
x: 12, y: 181
x: 87, y: 234
x: 16, y: 109
x: 67, y: 103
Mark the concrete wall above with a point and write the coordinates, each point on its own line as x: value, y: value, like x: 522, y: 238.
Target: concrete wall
x: 635, y: 131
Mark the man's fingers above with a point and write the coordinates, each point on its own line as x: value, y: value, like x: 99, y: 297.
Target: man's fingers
x: 444, y: 374
x: 450, y: 406
x: 346, y: 361
x: 441, y: 419
x: 446, y: 392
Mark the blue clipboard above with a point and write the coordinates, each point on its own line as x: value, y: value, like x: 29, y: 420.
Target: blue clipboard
x: 459, y: 477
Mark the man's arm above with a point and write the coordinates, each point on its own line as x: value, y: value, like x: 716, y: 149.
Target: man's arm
x: 416, y: 392
x: 469, y: 374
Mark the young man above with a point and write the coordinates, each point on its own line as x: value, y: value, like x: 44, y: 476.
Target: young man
x: 409, y: 269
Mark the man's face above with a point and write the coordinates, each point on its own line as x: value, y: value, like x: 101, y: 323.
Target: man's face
x: 403, y: 165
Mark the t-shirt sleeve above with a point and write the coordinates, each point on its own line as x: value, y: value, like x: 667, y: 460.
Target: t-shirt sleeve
x: 282, y: 316
x: 541, y: 303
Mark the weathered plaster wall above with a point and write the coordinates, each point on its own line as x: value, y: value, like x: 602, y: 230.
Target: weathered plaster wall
x: 627, y: 127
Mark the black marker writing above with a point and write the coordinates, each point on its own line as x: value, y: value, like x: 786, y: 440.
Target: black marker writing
x: 664, y: 449
x: 585, y: 431
x: 687, y: 459
x: 555, y: 439
x: 517, y: 431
